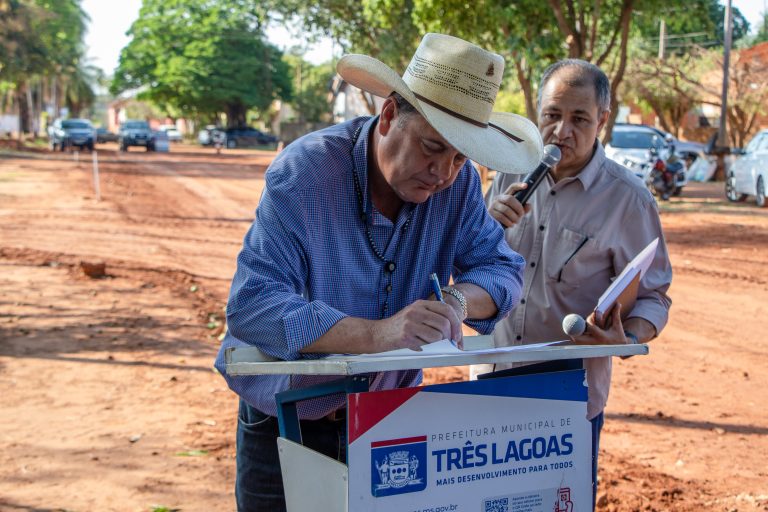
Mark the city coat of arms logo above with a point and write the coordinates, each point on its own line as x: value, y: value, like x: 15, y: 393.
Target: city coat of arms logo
x: 398, y: 466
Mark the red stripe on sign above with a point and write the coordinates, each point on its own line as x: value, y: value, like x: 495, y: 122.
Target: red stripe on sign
x: 367, y: 409
x: 405, y: 440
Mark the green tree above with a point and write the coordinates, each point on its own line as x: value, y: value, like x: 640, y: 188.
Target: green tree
x: 664, y: 86
x: 696, y: 79
x: 312, y: 89
x: 40, y: 41
x: 202, y: 57
x: 762, y: 30
x: 689, y: 25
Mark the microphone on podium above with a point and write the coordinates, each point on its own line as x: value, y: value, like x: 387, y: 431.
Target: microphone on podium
x: 574, y: 325
x: 551, y: 156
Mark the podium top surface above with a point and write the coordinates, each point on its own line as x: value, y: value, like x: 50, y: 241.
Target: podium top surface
x: 251, y: 361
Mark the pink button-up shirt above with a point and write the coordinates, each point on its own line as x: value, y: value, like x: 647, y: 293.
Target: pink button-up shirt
x: 579, y: 235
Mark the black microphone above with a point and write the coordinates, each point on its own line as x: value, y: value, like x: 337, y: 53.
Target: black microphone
x: 548, y: 161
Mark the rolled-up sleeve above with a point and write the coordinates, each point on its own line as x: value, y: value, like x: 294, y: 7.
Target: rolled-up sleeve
x: 266, y: 307
x: 484, y: 258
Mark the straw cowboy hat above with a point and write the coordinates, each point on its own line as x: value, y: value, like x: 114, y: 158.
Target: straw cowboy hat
x: 453, y: 84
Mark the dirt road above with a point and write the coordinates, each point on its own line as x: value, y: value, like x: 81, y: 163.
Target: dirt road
x: 109, y: 401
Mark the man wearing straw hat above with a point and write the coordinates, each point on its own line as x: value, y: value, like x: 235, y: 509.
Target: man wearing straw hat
x: 353, y: 220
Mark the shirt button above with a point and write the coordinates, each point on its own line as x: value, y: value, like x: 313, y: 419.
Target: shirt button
x: 533, y: 263
x: 541, y: 228
x: 518, y: 338
x: 522, y: 301
x: 389, y: 287
x: 552, y: 192
x: 385, y: 307
x: 390, y: 266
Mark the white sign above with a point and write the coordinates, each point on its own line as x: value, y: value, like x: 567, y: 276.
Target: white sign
x: 516, y: 444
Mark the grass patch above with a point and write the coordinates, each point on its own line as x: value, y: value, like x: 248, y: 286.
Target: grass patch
x: 192, y: 453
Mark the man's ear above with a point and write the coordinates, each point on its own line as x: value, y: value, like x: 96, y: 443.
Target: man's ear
x: 603, y: 118
x: 388, y: 115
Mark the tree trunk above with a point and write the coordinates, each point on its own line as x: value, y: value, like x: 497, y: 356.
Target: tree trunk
x: 235, y: 115
x: 525, y: 84
x: 21, y: 101
x: 619, y: 75
x: 30, y: 111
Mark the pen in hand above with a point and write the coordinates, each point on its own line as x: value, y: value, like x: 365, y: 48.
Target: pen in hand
x: 438, y: 294
x: 436, y: 287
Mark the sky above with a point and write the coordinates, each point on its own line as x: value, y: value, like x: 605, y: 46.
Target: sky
x: 111, y: 19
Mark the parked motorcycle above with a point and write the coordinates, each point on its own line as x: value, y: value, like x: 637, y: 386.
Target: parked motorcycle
x: 666, y: 177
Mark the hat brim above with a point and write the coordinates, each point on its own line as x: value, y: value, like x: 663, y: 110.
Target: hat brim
x: 485, y: 145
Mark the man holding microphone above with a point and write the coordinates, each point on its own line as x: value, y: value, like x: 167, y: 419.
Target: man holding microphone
x: 581, y: 226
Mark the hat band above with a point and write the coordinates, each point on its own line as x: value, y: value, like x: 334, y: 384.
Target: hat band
x: 465, y: 118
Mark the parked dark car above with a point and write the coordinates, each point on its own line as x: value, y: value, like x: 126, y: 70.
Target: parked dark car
x: 65, y: 133
x: 247, y: 136
x: 103, y: 135
x: 136, y: 133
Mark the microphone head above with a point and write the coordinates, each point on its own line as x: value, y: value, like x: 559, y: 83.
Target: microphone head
x: 552, y: 155
x: 574, y: 325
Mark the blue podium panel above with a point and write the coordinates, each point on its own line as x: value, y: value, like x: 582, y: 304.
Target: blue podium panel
x: 513, y: 444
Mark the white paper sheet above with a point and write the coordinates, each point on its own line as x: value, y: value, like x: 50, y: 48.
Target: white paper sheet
x: 441, y: 348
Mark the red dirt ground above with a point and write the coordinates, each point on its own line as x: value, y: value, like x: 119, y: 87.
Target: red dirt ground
x: 109, y: 401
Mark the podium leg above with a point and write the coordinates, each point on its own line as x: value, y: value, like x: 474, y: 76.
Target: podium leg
x: 287, y: 413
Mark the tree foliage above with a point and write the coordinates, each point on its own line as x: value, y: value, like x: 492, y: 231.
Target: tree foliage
x: 762, y: 30
x: 311, y: 89
x: 665, y: 87
x: 690, y: 25
x: 673, y: 86
x: 42, y: 50
x: 202, y: 57
x: 529, y: 34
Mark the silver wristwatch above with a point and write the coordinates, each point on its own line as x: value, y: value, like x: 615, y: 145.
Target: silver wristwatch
x: 456, y: 294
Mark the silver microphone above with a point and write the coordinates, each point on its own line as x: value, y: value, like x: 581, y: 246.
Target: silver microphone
x: 574, y: 325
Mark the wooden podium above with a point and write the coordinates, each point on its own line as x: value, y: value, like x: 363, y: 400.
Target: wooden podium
x: 507, y: 444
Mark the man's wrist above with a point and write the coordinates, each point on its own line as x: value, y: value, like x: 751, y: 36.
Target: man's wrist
x: 449, y: 291
x: 631, y: 338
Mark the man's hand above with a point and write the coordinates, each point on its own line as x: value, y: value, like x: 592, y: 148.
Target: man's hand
x: 506, y: 209
x: 613, y: 334
x: 424, y: 321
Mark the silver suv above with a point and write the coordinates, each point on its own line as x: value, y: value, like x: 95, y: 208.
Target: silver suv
x: 65, y: 133
x: 136, y: 133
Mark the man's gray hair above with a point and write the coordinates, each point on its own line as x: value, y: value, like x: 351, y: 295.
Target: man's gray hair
x: 588, y: 74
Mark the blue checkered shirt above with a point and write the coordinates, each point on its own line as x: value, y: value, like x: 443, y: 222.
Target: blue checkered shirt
x: 306, y: 261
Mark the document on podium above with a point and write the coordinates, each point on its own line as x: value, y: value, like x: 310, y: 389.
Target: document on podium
x: 624, y: 288
x: 443, y: 348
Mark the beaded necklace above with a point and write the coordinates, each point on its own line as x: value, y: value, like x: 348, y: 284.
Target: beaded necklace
x: 389, y: 265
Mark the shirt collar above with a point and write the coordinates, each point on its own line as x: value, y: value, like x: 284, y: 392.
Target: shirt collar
x: 360, y: 158
x: 591, y: 171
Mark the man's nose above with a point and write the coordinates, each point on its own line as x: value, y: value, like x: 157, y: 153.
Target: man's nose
x: 562, y: 129
x: 442, y: 167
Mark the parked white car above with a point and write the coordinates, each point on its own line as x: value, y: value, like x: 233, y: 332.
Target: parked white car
x: 748, y: 176
x: 174, y: 135
x: 637, y: 147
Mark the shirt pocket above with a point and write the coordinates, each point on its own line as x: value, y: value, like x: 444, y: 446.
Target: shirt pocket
x: 575, y: 257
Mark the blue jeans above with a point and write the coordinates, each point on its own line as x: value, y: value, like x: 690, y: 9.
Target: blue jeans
x: 597, y: 426
x: 259, y: 482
